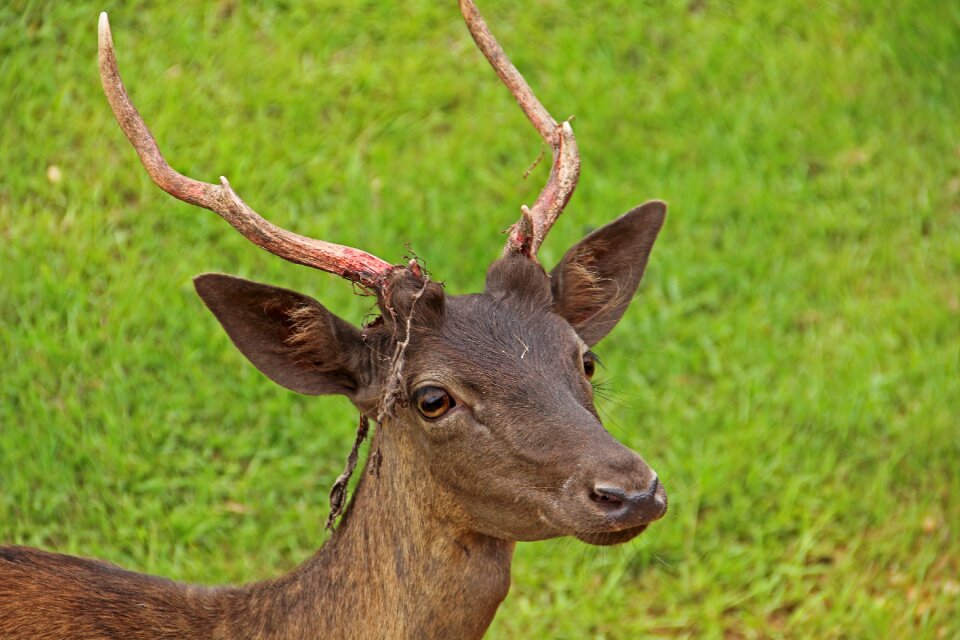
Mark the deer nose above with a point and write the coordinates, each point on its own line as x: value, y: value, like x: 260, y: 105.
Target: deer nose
x: 631, y: 508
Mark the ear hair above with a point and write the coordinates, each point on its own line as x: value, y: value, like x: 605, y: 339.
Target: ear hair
x: 593, y: 293
x: 291, y: 338
x: 597, y: 277
x: 310, y: 336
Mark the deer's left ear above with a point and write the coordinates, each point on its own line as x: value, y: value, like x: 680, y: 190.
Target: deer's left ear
x: 598, y: 276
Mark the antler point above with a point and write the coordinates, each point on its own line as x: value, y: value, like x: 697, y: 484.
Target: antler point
x: 103, y: 31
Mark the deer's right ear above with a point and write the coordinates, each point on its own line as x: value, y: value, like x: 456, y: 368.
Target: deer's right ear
x: 291, y: 338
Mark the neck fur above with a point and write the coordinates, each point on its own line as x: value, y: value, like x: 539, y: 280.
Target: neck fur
x: 396, y: 567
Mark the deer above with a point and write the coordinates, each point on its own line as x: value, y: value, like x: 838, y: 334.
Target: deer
x: 485, y: 428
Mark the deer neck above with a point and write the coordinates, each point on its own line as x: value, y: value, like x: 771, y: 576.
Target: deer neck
x: 397, y: 566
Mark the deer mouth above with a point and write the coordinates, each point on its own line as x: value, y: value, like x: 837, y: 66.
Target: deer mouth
x: 608, y: 538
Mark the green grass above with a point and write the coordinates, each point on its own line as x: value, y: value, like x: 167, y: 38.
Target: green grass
x: 791, y: 366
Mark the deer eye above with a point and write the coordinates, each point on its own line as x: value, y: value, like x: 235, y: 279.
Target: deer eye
x: 589, y: 364
x: 433, y: 402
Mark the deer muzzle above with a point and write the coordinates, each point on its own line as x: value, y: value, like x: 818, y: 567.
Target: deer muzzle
x: 615, y: 497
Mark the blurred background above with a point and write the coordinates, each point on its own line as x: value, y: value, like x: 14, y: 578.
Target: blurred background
x: 791, y: 365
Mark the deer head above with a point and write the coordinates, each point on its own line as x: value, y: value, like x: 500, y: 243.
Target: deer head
x: 488, y: 393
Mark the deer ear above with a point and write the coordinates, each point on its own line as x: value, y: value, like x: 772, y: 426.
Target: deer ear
x: 291, y: 338
x: 596, y: 279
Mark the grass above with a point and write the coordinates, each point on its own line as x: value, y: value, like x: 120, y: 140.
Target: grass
x: 791, y: 366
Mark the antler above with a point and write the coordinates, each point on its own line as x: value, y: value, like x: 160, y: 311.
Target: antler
x: 528, y: 233
x: 353, y: 264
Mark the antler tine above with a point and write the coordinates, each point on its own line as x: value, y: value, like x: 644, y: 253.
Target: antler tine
x: 528, y: 233
x: 353, y: 264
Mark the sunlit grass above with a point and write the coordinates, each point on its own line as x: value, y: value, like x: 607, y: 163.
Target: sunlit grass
x: 791, y: 366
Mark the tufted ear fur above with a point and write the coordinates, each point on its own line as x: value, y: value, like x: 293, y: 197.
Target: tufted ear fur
x: 291, y: 338
x: 596, y: 279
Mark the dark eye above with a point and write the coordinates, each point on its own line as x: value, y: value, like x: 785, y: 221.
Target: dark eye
x: 433, y: 402
x: 589, y: 364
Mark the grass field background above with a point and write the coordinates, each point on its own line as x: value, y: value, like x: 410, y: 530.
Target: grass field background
x: 791, y: 366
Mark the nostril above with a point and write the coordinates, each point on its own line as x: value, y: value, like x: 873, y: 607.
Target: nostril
x: 630, y: 507
x: 610, y: 497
